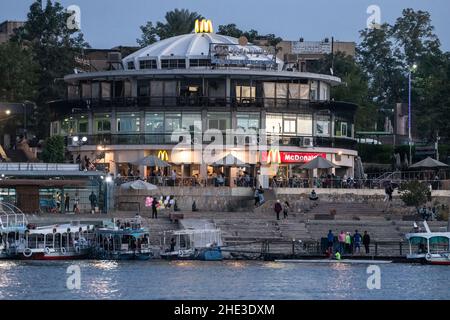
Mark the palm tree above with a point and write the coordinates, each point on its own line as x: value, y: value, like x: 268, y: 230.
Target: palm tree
x: 178, y: 22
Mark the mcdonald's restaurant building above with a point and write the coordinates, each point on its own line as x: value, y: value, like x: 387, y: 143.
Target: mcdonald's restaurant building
x: 205, y: 81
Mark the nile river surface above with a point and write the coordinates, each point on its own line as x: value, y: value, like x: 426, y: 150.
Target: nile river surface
x: 219, y: 280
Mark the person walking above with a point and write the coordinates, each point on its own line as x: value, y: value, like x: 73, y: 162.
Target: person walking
x: 357, y: 242
x: 256, y: 196
x: 330, y: 238
x: 93, y: 200
x: 261, y: 195
x: 154, y: 208
x: 66, y: 203
x: 278, y: 208
x: 366, y: 242
x: 286, y: 208
x: 341, y: 239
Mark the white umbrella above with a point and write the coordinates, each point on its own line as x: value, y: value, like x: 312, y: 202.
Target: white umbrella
x: 138, y: 185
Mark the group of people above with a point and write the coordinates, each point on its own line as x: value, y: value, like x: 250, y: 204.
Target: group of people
x: 65, y: 199
x: 345, y: 243
x: 427, y: 213
x: 279, y: 207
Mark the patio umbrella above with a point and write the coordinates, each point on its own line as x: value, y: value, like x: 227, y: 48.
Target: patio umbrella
x: 229, y: 161
x: 319, y: 163
x: 429, y: 163
x: 138, y: 185
x: 153, y: 161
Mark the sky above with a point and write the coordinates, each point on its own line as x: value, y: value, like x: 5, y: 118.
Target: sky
x: 109, y: 23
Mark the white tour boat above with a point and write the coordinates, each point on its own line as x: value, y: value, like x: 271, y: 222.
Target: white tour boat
x: 429, y: 247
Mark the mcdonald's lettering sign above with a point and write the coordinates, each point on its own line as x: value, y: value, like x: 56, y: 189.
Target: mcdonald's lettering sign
x: 203, y: 26
x: 275, y: 156
x: 163, y: 155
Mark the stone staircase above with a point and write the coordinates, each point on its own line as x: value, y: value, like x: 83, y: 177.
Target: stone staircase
x: 157, y: 227
x: 348, y: 211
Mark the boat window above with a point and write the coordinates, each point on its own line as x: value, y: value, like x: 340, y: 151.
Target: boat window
x: 418, y: 244
x: 439, y: 244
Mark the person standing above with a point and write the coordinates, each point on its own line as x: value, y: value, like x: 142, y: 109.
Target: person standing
x: 66, y: 203
x: 330, y: 238
x: 278, y: 208
x: 357, y: 242
x: 154, y: 209
x: 173, y: 178
x: 286, y: 208
x: 348, y: 243
x: 341, y: 239
x: 93, y: 200
x: 75, y: 203
x: 366, y: 242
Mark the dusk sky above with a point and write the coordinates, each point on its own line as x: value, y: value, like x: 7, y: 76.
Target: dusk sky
x: 108, y: 23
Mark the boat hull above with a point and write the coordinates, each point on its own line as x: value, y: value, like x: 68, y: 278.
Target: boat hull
x: 56, y: 256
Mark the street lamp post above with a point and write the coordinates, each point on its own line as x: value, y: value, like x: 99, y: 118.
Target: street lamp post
x: 414, y: 67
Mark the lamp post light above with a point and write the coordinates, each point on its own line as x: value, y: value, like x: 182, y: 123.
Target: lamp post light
x: 79, y: 142
x: 411, y: 70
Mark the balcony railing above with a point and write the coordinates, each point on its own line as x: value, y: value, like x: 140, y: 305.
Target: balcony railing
x: 166, y: 138
x: 86, y: 104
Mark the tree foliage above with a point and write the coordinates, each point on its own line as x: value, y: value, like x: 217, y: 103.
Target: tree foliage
x: 414, y: 193
x: 232, y: 30
x: 53, y: 151
x: 18, y: 73
x: 53, y: 46
x: 177, y: 22
x: 387, y: 54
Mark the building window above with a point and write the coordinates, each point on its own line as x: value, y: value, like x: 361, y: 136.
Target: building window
x: 248, y: 121
x: 173, y: 64
x: 128, y: 122
x: 154, y: 122
x: 245, y: 92
x: 289, y: 124
x: 102, y: 124
x: 219, y: 120
x: 304, y: 124
x: 199, y: 62
x: 69, y: 126
x: 274, y: 123
x: 54, y: 128
x: 130, y: 65
x: 172, y: 122
x: 83, y: 126
x: 323, y: 125
x: 147, y: 64
x: 192, y: 122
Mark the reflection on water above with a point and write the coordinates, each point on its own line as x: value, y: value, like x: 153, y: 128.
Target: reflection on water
x: 219, y: 280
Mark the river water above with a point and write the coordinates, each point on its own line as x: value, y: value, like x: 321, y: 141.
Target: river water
x: 185, y: 280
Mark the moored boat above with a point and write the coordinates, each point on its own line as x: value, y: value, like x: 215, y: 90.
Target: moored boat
x: 429, y: 247
x: 123, y: 240
x: 12, y: 231
x: 192, y: 244
x: 56, y: 242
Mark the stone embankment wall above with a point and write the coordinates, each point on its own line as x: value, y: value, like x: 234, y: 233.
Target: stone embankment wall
x: 207, y: 199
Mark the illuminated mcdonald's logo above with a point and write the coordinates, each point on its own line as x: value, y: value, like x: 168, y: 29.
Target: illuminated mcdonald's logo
x: 274, y: 156
x: 203, y: 26
x: 163, y: 155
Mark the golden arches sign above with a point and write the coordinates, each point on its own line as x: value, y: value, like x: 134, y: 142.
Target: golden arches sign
x: 163, y: 155
x: 203, y: 26
x: 274, y: 156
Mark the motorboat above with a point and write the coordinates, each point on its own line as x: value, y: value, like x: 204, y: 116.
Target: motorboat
x: 429, y: 247
x: 13, y: 225
x: 192, y: 244
x: 122, y: 240
x: 56, y: 242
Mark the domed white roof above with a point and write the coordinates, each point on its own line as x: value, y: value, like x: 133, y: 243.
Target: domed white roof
x: 197, y: 46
